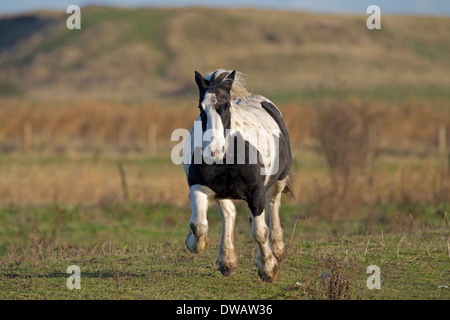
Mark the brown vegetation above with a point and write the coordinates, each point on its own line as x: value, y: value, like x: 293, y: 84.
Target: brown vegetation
x: 84, y: 140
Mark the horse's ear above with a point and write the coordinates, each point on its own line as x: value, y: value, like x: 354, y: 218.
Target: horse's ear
x: 200, y: 81
x: 228, y: 83
x: 231, y: 75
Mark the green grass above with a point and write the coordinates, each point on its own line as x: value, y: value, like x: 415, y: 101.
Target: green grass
x: 137, y: 251
x: 398, y: 94
x: 10, y: 89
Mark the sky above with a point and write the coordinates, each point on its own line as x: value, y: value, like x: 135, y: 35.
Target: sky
x: 416, y: 7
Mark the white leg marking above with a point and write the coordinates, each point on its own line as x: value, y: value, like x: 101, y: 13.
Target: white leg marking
x: 267, y: 263
x: 273, y: 201
x: 197, y: 240
x: 227, y: 260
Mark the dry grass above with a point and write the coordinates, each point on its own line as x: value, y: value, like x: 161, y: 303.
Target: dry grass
x: 64, y: 126
x: 339, y: 280
x: 76, y: 147
x: 89, y: 125
x: 87, y: 180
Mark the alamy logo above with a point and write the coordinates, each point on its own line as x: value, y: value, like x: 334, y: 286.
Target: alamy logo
x: 374, y: 21
x: 74, y: 21
x: 374, y: 281
x: 74, y: 281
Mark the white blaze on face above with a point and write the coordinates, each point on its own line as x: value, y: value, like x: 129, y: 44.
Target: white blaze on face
x: 214, y: 133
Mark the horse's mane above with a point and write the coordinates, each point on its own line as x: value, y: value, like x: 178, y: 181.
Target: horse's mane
x: 238, y: 89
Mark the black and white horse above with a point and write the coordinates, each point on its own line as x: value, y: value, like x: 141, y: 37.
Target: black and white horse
x: 238, y: 149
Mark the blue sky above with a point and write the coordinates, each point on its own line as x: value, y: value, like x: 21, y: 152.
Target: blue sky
x: 426, y: 7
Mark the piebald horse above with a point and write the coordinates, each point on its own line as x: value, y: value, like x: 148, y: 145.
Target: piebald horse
x: 243, y: 153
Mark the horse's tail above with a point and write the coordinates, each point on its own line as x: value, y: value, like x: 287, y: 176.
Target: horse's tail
x: 289, y: 188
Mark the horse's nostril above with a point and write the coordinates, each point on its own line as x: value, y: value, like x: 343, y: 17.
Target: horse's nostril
x: 223, y: 149
x: 213, y: 153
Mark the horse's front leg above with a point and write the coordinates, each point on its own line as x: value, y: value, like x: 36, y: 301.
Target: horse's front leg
x: 197, y: 240
x: 266, y: 261
x: 227, y: 259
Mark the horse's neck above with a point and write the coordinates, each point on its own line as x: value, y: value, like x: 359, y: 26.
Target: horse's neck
x: 249, y: 114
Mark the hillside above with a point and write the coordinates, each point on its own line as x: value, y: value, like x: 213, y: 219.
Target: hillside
x: 152, y: 53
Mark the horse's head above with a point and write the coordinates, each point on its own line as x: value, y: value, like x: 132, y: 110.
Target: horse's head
x: 214, y: 105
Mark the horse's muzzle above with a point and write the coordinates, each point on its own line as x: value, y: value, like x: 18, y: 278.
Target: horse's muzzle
x: 216, y: 152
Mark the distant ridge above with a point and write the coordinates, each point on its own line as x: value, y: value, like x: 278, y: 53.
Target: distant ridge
x: 151, y: 53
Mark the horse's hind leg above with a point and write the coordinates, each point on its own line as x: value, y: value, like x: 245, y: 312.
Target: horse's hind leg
x: 227, y: 260
x: 273, y: 200
x: 197, y: 240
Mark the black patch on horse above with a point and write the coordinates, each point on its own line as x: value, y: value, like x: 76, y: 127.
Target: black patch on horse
x: 233, y: 181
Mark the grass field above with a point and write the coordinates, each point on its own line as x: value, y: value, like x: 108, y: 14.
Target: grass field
x: 136, y: 251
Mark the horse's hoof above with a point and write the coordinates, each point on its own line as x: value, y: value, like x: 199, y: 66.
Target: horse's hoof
x: 280, y: 256
x: 196, y: 245
x: 278, y: 250
x: 228, y: 270
x: 269, y: 277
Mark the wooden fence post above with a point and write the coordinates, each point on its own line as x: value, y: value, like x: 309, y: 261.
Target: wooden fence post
x: 123, y: 178
x: 151, y: 139
x: 442, y: 143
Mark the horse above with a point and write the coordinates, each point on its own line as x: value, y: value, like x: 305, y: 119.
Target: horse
x: 239, y: 149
